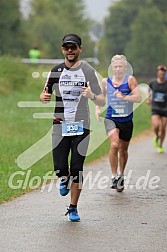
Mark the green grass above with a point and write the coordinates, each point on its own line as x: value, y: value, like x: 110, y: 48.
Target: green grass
x: 19, y: 130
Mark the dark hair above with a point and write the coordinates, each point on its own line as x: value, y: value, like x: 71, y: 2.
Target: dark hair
x: 73, y: 35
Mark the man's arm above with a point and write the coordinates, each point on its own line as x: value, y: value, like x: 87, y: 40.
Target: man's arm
x: 97, y: 99
x: 45, y: 97
x: 148, y: 100
x: 93, y: 90
x: 104, y: 91
x: 135, y: 95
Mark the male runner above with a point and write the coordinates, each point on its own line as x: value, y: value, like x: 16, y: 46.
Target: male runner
x: 158, y: 101
x: 73, y: 82
x: 122, y: 91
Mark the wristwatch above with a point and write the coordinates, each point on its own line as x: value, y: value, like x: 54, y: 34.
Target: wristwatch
x: 94, y: 97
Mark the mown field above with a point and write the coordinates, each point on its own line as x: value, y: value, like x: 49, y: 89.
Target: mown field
x: 19, y: 130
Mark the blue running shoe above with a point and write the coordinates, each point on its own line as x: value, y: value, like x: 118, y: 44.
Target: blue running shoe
x: 72, y: 214
x: 64, y: 186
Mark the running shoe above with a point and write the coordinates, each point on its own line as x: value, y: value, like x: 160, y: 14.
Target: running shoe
x: 72, y: 214
x: 160, y: 149
x: 114, y: 182
x: 155, y: 141
x: 120, y: 184
x: 64, y: 186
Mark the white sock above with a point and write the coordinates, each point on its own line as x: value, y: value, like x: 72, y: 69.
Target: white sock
x: 114, y: 176
x: 121, y: 175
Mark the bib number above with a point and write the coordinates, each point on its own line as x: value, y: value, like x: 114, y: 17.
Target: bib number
x: 72, y: 128
x: 120, y: 110
x: 159, y: 97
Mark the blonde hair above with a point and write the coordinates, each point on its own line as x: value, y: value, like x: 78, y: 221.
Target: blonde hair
x: 119, y: 57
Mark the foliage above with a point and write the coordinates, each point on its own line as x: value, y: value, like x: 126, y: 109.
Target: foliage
x: 47, y: 23
x: 50, y: 20
x: 137, y: 29
x: 147, y: 48
x: 10, y: 28
x: 117, y: 24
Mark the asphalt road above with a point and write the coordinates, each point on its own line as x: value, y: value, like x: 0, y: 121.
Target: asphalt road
x: 133, y: 221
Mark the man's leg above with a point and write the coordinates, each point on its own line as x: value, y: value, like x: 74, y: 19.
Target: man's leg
x: 60, y: 158
x: 114, y: 147
x: 163, y: 121
x: 75, y: 193
x: 113, y: 156
x: 126, y: 130
x: 72, y: 211
x: 159, y: 125
x: 79, y: 145
x: 60, y: 153
x: 156, y: 121
x: 123, y: 157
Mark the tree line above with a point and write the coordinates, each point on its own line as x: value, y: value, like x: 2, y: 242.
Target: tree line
x: 45, y: 26
x: 136, y: 28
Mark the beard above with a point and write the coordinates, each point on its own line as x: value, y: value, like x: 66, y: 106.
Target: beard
x: 72, y: 57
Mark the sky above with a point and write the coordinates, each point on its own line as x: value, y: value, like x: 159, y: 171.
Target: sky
x: 95, y: 9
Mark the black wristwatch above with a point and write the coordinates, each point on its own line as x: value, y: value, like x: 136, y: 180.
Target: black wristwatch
x: 94, y: 97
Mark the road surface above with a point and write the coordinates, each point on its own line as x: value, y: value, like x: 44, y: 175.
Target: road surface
x: 133, y: 221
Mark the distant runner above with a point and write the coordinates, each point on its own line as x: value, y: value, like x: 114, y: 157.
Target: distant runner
x: 34, y: 54
x: 158, y: 101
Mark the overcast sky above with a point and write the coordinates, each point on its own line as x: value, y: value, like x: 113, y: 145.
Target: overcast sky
x: 97, y: 9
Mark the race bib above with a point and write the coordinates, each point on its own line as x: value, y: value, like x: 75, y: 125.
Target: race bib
x: 120, y: 110
x: 72, y: 128
x: 159, y: 97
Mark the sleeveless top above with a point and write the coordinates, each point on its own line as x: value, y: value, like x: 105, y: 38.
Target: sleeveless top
x: 117, y: 109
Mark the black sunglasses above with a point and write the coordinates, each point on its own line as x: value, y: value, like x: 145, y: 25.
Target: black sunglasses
x: 73, y: 47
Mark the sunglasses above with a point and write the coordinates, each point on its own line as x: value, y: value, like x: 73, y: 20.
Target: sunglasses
x: 72, y: 47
